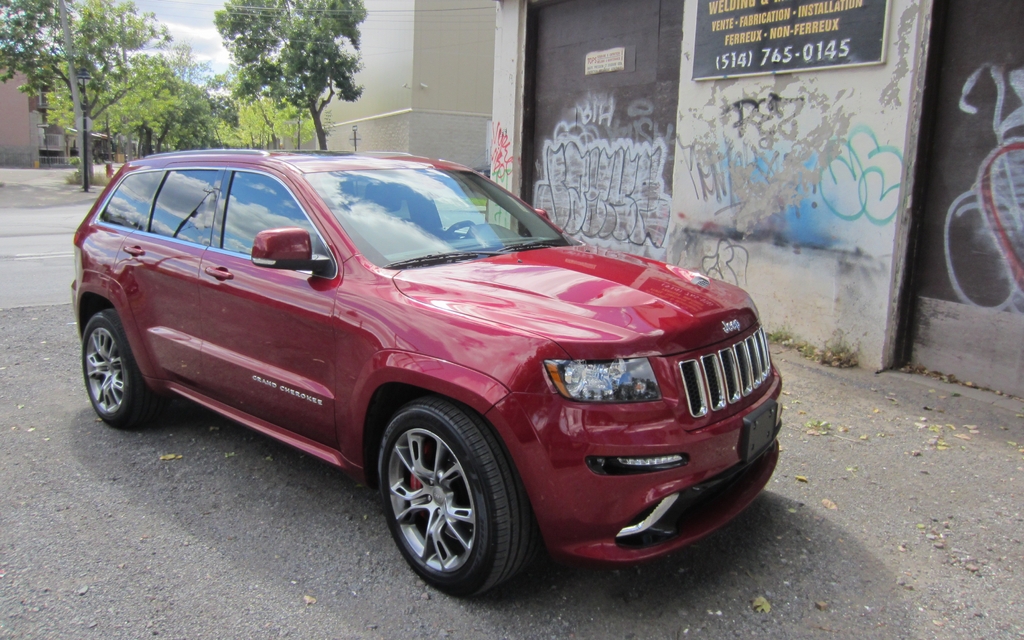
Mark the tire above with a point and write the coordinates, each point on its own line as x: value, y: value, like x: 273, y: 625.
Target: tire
x: 454, y: 504
x: 116, y: 389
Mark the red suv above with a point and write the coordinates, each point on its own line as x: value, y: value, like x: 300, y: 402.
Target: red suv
x: 410, y: 322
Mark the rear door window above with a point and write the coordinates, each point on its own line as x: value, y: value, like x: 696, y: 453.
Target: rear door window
x: 186, y: 205
x: 132, y: 201
x: 258, y: 202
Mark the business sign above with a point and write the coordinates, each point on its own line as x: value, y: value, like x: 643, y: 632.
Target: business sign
x: 605, y: 61
x: 754, y: 37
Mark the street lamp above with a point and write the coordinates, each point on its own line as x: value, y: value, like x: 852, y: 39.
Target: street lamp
x: 83, y: 79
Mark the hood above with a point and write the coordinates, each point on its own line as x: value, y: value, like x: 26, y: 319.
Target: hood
x: 596, y: 304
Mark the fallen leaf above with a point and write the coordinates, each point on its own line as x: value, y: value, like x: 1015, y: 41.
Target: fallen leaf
x: 761, y: 605
x: 901, y: 548
x: 309, y: 600
x: 230, y: 454
x: 801, y: 478
x: 171, y: 456
x: 828, y: 504
x: 876, y: 410
x: 941, y: 445
x: 821, y: 605
x: 962, y: 436
x: 865, y: 437
x: 21, y: 406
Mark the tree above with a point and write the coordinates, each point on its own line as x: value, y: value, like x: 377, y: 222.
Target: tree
x: 107, y: 39
x: 304, y: 52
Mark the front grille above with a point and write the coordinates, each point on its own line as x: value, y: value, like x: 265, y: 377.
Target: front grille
x: 719, y: 379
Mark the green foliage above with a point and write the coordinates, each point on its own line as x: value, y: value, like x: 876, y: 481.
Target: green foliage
x: 304, y: 52
x: 107, y: 38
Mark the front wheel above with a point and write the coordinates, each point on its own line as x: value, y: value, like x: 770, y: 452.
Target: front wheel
x: 454, y: 504
x: 118, y: 392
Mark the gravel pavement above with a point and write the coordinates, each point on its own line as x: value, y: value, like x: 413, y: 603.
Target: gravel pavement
x: 899, y: 518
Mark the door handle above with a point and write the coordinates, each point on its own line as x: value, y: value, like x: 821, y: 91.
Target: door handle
x: 135, y: 251
x: 219, y: 273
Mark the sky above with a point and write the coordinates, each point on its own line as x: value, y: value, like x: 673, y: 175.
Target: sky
x: 192, y: 21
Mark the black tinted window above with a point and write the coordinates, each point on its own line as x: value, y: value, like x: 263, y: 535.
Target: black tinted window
x: 185, y: 206
x: 130, y: 204
x: 258, y: 202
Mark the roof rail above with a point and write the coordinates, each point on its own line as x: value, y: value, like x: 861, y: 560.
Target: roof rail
x: 195, y: 152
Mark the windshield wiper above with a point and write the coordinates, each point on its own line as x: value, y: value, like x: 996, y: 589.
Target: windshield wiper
x: 440, y: 258
x: 535, y: 244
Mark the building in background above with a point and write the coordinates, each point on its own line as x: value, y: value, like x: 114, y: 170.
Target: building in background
x: 26, y: 138
x: 427, y: 81
x: 857, y: 165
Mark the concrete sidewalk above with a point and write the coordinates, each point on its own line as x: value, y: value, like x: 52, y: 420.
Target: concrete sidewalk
x: 41, y: 188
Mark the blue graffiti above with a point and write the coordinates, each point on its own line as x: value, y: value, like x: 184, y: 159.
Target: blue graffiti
x: 864, y: 180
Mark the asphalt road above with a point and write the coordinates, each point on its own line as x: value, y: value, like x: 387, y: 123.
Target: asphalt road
x: 244, y: 538
x: 39, y: 213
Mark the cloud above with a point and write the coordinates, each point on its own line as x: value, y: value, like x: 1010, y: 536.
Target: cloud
x: 206, y: 43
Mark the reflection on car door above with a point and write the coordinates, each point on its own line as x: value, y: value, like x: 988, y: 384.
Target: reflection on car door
x: 267, y: 333
x: 158, y: 268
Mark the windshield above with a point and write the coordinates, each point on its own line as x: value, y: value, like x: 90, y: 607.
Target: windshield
x: 404, y: 218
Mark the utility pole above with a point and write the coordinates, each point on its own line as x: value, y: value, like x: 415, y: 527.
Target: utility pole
x: 73, y: 81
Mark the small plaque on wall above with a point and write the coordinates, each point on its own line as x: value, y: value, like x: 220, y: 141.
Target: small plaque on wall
x: 755, y: 37
x: 605, y: 61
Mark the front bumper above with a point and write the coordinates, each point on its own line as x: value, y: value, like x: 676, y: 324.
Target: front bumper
x: 582, y: 513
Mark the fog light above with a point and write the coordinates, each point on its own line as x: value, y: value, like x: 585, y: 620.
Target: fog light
x: 635, y: 464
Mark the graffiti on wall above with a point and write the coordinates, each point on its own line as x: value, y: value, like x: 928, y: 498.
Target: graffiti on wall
x: 601, y: 175
x: 863, y: 180
x: 775, y: 170
x: 988, y: 219
x: 501, y: 156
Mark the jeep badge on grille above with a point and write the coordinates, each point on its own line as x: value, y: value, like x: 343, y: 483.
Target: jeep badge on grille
x: 730, y: 326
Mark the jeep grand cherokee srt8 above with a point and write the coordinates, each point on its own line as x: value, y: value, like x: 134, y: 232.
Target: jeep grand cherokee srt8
x: 415, y: 325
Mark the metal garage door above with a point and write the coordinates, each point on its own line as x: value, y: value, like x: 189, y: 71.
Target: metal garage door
x: 605, y: 89
x: 969, y: 276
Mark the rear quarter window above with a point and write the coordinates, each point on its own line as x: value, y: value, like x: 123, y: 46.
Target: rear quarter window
x: 186, y: 205
x: 132, y: 201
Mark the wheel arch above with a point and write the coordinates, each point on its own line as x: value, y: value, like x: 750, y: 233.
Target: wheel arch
x: 89, y: 305
x: 405, y: 377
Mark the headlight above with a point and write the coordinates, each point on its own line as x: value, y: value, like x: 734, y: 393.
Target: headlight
x: 611, y: 381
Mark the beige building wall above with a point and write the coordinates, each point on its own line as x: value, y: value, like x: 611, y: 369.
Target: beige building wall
x: 16, y: 127
x: 428, y: 81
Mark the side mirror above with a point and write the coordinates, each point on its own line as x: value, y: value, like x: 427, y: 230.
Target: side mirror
x: 288, y: 248
x: 542, y: 213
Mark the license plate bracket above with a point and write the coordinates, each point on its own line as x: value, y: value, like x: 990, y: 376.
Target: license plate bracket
x: 758, y: 430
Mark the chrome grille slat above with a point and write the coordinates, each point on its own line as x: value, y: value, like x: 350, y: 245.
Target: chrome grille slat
x: 767, y: 354
x: 714, y: 376
x: 743, y: 359
x: 729, y: 367
x: 755, y: 362
x: 693, y: 381
x: 715, y: 380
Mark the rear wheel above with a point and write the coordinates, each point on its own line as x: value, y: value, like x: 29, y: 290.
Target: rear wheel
x: 454, y: 504
x: 118, y: 392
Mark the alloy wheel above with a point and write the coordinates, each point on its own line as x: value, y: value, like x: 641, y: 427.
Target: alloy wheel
x: 104, y: 371
x: 431, y: 500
